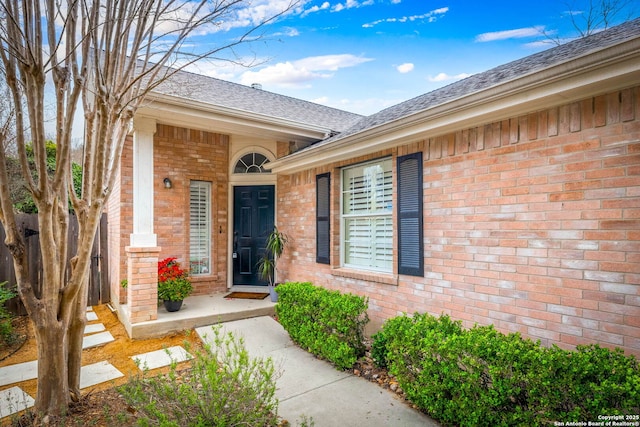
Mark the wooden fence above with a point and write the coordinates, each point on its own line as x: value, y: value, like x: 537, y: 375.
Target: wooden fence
x: 98, y: 276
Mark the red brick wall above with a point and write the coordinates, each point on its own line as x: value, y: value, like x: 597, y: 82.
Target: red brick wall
x: 531, y: 223
x: 184, y: 155
x: 181, y: 155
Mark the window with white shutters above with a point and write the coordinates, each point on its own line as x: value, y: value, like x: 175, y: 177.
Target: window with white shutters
x: 367, y: 223
x: 200, y: 228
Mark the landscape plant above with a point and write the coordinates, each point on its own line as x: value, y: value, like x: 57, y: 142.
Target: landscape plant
x: 274, y: 247
x: 479, y: 376
x: 325, y: 322
x: 21, y: 197
x: 7, y: 334
x: 224, y: 386
x: 173, y: 281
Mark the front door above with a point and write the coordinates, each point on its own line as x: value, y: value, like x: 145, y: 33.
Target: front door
x: 253, y: 220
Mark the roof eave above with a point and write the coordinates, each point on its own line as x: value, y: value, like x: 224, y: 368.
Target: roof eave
x: 215, y: 118
x: 618, y: 66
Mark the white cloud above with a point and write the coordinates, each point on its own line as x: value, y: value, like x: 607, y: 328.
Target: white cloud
x: 284, y: 74
x: 431, y: 16
x: 234, y: 17
x: 443, y: 77
x: 405, y: 68
x: 287, y: 32
x: 299, y: 73
x: 518, y: 33
x: 350, y: 4
x: 324, y: 6
x: 261, y: 10
x: 332, y: 62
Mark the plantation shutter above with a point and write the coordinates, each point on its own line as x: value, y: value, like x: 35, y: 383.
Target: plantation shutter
x: 199, y: 227
x: 410, y: 221
x: 367, y: 204
x: 323, y: 209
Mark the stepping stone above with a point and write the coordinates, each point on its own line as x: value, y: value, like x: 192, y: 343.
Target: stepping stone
x: 160, y: 358
x: 18, y: 372
x: 91, y: 316
x: 89, y: 375
x: 93, y: 328
x: 97, y: 339
x: 14, y: 400
x: 89, y: 308
x: 97, y: 373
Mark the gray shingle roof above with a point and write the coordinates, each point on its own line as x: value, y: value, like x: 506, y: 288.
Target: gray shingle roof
x: 215, y: 92
x: 498, y: 75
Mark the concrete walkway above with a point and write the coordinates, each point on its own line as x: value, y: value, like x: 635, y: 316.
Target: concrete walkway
x: 307, y: 386
x: 314, y: 388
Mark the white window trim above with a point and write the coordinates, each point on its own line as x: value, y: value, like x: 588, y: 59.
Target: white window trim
x: 206, y: 185
x: 344, y: 217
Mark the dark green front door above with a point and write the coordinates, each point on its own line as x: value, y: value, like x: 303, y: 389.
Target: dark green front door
x: 253, y: 220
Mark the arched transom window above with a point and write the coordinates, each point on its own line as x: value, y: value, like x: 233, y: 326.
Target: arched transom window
x: 251, y: 163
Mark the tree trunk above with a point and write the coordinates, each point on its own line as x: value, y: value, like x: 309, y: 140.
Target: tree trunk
x: 53, y: 388
x: 76, y: 335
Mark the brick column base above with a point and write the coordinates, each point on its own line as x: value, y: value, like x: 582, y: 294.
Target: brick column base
x: 142, y: 287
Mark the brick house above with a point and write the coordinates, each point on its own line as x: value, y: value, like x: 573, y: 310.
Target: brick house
x: 510, y: 198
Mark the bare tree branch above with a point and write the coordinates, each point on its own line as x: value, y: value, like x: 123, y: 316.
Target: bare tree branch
x: 104, y: 56
x: 591, y: 17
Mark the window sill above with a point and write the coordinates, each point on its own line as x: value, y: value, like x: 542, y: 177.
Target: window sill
x: 369, y: 276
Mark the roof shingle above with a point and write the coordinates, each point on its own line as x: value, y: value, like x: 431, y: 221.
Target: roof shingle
x: 215, y: 92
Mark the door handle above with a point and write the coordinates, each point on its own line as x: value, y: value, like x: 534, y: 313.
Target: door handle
x: 235, y: 245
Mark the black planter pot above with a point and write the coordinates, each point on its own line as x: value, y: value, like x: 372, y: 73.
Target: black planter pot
x: 172, y: 306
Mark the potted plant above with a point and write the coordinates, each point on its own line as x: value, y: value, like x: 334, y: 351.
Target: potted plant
x: 174, y: 284
x: 267, y: 266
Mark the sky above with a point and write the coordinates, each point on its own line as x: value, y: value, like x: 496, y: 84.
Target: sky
x: 365, y: 55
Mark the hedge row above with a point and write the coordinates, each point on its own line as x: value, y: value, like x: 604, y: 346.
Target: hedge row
x: 326, y: 323
x: 474, y: 377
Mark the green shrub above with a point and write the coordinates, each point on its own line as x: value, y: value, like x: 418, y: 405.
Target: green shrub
x: 224, y: 387
x: 7, y: 334
x: 327, y: 323
x: 482, y: 377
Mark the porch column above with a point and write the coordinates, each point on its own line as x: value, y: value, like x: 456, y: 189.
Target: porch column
x: 143, y: 235
x: 143, y: 250
x: 142, y: 288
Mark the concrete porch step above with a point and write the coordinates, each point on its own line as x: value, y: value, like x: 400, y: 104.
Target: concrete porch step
x: 197, y: 311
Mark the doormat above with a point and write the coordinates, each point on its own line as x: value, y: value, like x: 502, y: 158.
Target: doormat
x: 247, y: 295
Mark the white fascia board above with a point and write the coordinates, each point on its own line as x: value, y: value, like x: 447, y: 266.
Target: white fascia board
x: 605, y: 71
x: 197, y: 115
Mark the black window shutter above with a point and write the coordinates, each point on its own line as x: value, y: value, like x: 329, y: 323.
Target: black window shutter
x: 410, y: 221
x: 323, y: 210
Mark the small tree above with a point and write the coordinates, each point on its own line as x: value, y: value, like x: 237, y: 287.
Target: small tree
x: 104, y: 57
x: 592, y: 16
x: 20, y: 195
